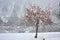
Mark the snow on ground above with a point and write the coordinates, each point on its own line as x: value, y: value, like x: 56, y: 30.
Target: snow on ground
x: 30, y: 36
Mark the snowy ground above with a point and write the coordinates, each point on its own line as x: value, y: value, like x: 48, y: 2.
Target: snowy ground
x: 30, y: 36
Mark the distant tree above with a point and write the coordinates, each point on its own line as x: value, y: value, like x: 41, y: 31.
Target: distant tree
x: 36, y: 14
x: 1, y: 21
x: 59, y: 4
x: 13, y: 19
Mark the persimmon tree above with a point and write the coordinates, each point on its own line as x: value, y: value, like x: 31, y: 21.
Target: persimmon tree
x: 38, y: 15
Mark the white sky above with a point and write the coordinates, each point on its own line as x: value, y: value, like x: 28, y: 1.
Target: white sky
x: 25, y: 3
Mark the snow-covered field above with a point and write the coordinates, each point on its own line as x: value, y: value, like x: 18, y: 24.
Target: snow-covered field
x: 30, y: 36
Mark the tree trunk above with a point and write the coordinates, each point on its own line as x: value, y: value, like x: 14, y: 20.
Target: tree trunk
x: 37, y: 22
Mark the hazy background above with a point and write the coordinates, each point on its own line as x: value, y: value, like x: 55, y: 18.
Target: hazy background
x: 12, y: 12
